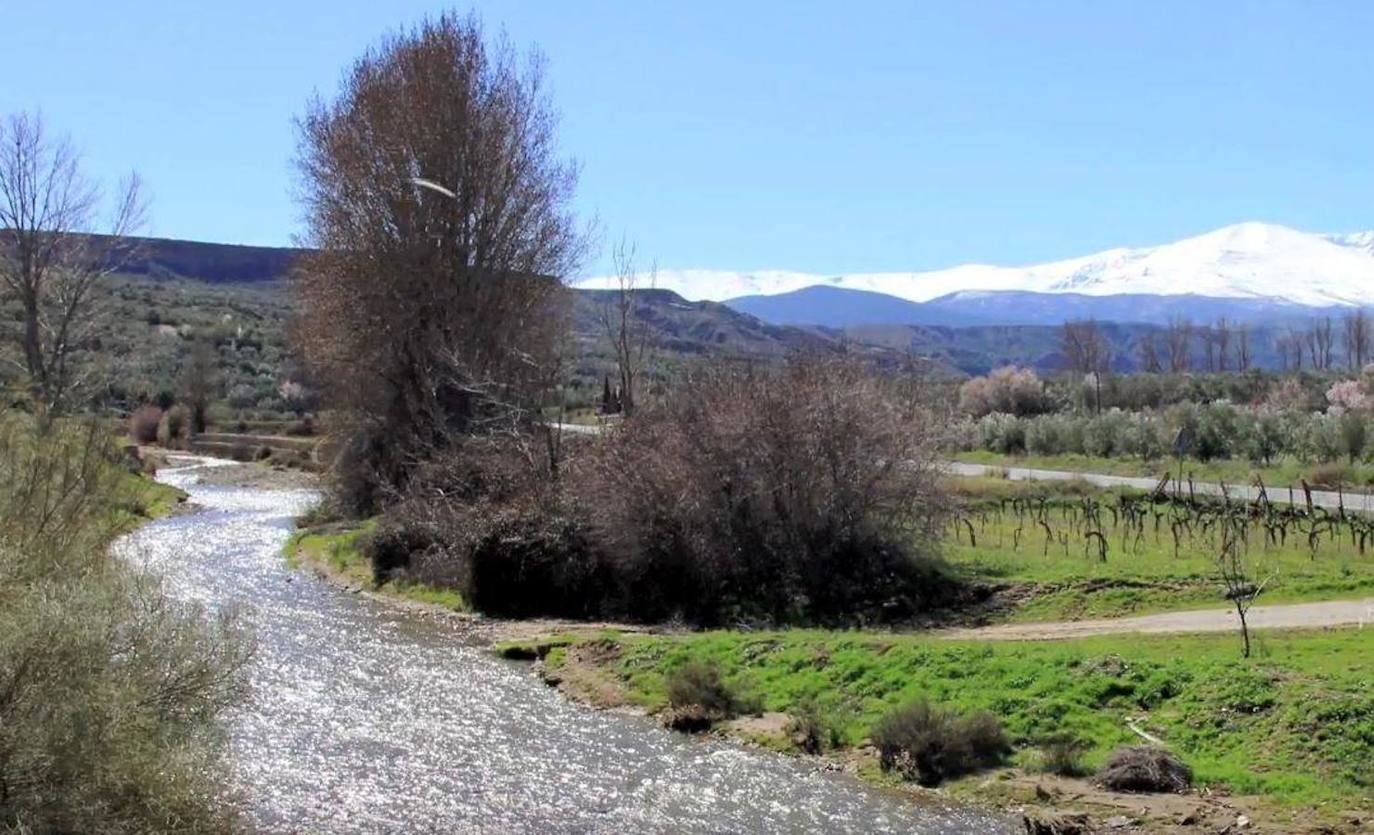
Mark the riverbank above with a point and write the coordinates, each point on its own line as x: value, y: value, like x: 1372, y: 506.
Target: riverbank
x: 1279, y: 741
x: 1283, y: 740
x: 393, y: 718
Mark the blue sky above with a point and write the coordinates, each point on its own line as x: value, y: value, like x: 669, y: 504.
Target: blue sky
x: 812, y: 136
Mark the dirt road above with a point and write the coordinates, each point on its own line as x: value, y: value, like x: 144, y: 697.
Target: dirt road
x: 1280, y: 616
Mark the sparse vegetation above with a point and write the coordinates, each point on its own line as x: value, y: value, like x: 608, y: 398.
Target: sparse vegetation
x: 1248, y: 727
x: 113, y: 691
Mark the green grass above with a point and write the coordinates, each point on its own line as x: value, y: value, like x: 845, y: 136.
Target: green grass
x: 1071, y: 582
x: 1295, y: 724
x: 140, y: 498
x: 338, y: 554
x: 1284, y: 473
x: 1144, y: 576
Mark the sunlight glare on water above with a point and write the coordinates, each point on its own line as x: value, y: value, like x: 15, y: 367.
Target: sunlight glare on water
x: 369, y: 718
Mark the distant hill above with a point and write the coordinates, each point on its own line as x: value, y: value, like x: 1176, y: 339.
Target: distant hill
x: 953, y: 333
x: 836, y: 307
x: 164, y: 258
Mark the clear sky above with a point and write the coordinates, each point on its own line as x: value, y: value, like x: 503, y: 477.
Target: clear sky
x: 816, y: 136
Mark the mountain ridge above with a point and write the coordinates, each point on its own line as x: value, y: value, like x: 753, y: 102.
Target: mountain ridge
x: 1251, y: 260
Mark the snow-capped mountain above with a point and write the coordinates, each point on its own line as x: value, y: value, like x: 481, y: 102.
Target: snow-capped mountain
x: 1245, y: 261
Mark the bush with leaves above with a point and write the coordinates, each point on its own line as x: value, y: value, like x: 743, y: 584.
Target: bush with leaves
x: 113, y: 692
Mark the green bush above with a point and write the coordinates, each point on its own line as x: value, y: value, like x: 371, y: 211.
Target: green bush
x: 110, y: 692
x: 928, y: 743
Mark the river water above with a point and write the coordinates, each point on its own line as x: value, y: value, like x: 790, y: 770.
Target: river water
x: 372, y: 718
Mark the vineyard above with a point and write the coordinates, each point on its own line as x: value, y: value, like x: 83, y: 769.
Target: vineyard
x: 1107, y: 553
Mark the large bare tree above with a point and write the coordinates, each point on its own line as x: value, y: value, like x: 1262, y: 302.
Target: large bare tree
x: 1089, y: 352
x: 440, y: 208
x: 50, y: 265
x: 626, y: 329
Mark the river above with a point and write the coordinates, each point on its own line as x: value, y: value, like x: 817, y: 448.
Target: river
x: 371, y: 718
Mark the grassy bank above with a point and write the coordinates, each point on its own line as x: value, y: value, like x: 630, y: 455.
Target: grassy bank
x: 1356, y: 476
x: 337, y: 555
x: 139, y: 498
x: 1295, y: 725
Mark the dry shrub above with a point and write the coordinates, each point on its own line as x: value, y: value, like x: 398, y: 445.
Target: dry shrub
x: 485, y: 517
x: 812, y: 728
x: 699, y: 684
x: 143, y: 423
x: 1145, y: 769
x: 927, y: 743
x: 1330, y: 476
x: 174, y: 429
x: 804, y: 494
x: 1063, y: 754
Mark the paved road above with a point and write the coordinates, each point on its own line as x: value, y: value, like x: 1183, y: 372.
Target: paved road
x: 1289, y: 616
x: 1361, y: 502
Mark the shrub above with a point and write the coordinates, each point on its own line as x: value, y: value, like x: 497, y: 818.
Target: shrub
x: 175, y: 427
x: 143, y: 423
x: 812, y: 729
x: 112, y: 691
x: 800, y: 495
x: 392, y: 545
x: 535, y: 558
x: 699, y: 684
x: 927, y: 743
x: 1010, y: 390
x: 1063, y: 753
x: 1002, y: 433
x: 1330, y: 476
x: 1145, y: 769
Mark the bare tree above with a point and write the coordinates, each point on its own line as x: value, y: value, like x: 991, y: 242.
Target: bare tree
x: 1320, y: 342
x: 1149, y: 353
x: 49, y: 262
x: 1221, y: 336
x: 1239, y: 577
x: 1088, y: 352
x: 199, y: 382
x: 441, y: 213
x: 1180, y: 344
x: 627, y: 331
x: 1294, y: 342
x: 1244, y: 355
x: 1357, y: 338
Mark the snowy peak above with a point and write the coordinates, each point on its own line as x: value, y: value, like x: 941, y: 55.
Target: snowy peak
x: 1245, y: 261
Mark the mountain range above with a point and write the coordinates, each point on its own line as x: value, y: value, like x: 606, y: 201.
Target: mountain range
x: 1252, y: 272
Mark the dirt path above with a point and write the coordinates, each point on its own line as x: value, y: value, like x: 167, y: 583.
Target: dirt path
x: 1284, y: 616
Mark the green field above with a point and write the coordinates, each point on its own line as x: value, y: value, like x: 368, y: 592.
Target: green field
x: 1295, y: 724
x: 1064, y: 577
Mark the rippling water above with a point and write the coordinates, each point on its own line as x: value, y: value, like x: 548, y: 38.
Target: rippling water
x: 372, y: 718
